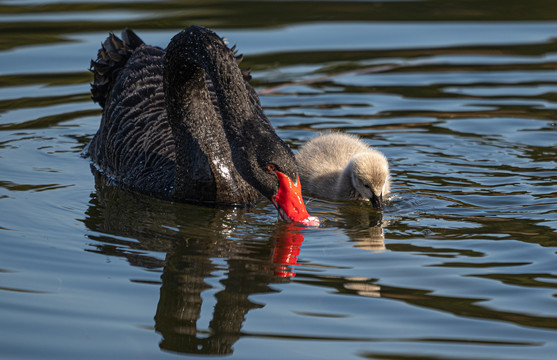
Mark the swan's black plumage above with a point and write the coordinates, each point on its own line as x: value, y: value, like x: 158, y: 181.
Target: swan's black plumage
x: 183, y: 123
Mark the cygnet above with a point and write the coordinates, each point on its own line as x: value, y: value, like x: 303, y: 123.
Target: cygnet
x: 339, y: 167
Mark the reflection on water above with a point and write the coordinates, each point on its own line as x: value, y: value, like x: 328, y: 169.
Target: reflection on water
x: 189, y: 263
x: 192, y: 259
x: 179, y: 307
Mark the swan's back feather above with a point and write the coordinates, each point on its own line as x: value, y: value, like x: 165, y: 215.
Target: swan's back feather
x: 111, y: 58
x: 135, y: 144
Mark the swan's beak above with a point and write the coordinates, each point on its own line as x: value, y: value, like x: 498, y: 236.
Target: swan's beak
x: 289, y: 201
x: 377, y: 201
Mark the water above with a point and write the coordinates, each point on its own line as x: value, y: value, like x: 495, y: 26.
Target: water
x: 460, y: 96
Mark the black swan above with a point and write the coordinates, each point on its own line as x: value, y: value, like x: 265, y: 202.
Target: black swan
x: 183, y: 124
x: 339, y: 166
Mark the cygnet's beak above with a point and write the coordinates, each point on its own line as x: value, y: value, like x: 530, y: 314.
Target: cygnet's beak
x: 377, y: 201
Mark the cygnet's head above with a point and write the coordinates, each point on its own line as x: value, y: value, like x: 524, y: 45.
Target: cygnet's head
x: 370, y: 176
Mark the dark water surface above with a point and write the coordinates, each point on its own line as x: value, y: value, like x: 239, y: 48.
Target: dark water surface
x: 460, y: 95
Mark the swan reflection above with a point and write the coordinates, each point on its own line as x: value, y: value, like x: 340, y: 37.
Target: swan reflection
x: 185, y: 278
x: 199, y: 245
x: 208, y: 241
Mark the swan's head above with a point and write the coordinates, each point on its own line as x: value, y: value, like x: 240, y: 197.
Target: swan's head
x: 269, y: 166
x: 370, y: 177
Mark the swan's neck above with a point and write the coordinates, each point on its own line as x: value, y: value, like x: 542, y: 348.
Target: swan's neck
x: 190, y: 55
x: 234, y: 128
x: 203, y: 153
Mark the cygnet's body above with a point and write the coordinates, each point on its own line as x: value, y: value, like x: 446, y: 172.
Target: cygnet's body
x: 338, y: 166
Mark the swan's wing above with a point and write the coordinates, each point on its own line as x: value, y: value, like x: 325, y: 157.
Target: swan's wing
x: 134, y: 144
x: 111, y: 59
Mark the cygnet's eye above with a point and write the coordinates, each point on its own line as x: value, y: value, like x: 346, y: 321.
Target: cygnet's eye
x: 367, y: 186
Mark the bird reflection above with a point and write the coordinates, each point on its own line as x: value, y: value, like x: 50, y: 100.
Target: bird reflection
x: 207, y: 242
x: 184, y: 279
x: 361, y: 223
x: 180, y: 302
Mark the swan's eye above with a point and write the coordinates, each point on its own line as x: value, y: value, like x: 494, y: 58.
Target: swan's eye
x: 272, y: 167
x: 367, y: 186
